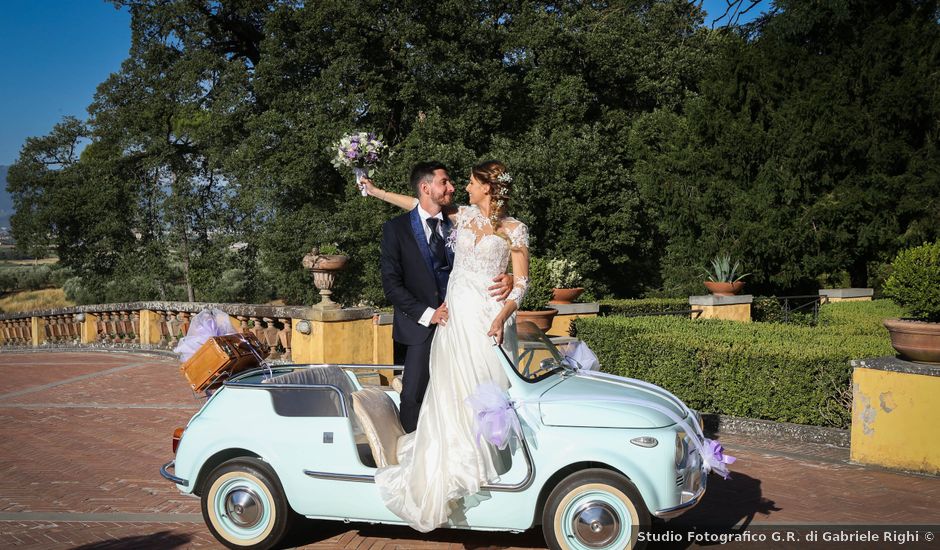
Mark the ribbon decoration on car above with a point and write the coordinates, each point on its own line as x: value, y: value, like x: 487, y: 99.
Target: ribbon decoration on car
x: 497, y: 416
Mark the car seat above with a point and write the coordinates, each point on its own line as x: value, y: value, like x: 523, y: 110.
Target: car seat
x: 378, y: 418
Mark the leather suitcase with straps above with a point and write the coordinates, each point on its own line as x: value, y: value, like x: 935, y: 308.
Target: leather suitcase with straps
x: 222, y: 357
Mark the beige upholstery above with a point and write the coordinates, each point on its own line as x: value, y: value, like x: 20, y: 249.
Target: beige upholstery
x: 397, y: 384
x: 379, y: 420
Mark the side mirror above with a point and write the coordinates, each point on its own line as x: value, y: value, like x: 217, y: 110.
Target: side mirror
x: 548, y: 363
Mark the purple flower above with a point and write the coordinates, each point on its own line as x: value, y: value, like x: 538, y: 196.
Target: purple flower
x: 351, y: 154
x: 451, y: 241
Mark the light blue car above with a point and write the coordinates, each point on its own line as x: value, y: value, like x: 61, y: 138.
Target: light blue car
x: 592, y: 467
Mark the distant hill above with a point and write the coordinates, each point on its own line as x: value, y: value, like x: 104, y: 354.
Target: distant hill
x: 6, y: 202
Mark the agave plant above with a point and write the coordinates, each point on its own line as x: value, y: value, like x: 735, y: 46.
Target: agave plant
x: 723, y: 272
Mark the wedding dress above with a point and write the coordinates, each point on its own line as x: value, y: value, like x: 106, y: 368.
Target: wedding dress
x: 442, y: 462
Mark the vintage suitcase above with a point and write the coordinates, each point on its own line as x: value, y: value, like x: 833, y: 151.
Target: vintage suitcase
x: 221, y: 357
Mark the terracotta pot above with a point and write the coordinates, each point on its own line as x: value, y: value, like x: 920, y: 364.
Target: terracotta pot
x: 724, y: 289
x: 565, y: 295
x: 542, y: 318
x: 915, y: 340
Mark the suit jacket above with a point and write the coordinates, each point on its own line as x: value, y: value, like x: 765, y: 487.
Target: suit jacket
x: 408, y: 275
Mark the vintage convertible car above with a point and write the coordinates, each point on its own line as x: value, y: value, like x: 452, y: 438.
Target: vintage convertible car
x: 593, y: 463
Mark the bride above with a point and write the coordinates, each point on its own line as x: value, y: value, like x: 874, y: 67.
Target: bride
x: 442, y: 462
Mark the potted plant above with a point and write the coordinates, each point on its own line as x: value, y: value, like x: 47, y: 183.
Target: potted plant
x: 565, y: 280
x: 914, y: 285
x: 534, y: 306
x: 324, y: 261
x: 723, y: 278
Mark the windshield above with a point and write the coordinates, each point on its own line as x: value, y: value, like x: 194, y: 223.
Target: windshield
x: 536, y: 356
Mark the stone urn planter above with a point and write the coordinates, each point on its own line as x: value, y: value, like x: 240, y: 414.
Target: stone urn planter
x: 324, y: 268
x: 540, y: 318
x: 724, y: 289
x: 565, y: 295
x: 915, y: 340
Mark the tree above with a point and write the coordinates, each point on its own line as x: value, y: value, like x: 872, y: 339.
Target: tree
x: 812, y: 151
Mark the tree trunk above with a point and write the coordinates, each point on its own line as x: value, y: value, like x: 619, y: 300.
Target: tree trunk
x: 858, y: 273
x: 190, y: 293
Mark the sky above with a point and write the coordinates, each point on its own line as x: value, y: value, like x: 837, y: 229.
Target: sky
x: 60, y: 50
x: 57, y: 52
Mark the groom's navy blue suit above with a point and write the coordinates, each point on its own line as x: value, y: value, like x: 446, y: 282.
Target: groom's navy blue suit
x: 413, y: 280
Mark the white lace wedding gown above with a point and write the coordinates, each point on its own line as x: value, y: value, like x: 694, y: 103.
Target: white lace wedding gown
x: 441, y: 463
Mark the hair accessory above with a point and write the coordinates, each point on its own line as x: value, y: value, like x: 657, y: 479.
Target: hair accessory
x: 505, y: 177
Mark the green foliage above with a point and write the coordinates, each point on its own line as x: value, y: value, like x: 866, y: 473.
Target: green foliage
x: 768, y: 309
x: 540, y: 287
x: 641, y: 143
x: 723, y: 272
x: 564, y: 273
x: 914, y: 282
x: 643, y: 306
x: 858, y: 318
x: 27, y: 277
x: 330, y: 249
x: 812, y: 148
x: 756, y: 370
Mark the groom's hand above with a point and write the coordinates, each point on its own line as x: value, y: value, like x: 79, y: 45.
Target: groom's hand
x: 440, y: 316
x: 503, y: 286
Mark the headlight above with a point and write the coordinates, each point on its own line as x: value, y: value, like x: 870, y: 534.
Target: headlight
x: 682, y: 450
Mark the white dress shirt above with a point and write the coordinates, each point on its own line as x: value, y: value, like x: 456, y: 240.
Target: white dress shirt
x: 424, y: 215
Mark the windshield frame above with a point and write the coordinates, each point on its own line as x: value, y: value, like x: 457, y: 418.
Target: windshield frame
x: 533, y: 334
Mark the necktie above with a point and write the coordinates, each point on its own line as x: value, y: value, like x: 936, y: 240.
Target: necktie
x: 436, y: 243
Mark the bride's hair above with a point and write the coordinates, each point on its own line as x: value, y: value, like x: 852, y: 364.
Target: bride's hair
x: 494, y: 174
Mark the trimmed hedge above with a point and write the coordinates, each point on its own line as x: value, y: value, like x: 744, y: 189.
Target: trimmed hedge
x: 768, y: 309
x: 859, y: 318
x: 643, y: 306
x: 757, y: 370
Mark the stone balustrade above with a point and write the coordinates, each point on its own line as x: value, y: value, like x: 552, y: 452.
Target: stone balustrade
x: 143, y: 325
x: 293, y: 333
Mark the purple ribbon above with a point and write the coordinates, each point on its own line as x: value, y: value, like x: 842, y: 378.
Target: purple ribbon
x: 495, y: 420
x: 206, y: 324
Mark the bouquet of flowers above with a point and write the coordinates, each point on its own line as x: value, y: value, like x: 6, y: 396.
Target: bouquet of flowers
x: 361, y: 151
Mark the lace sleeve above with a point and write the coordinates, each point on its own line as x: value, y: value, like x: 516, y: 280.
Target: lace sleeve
x: 518, y: 236
x: 518, y: 290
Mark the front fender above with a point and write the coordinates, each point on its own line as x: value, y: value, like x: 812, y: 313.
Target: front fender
x: 651, y: 470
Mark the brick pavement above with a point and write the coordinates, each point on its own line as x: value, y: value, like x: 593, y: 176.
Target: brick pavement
x: 83, y: 434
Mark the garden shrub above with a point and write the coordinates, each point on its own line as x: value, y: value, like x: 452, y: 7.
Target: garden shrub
x: 769, y: 309
x: 858, y: 318
x: 643, y: 306
x: 539, y: 291
x: 759, y: 370
x: 33, y: 278
x: 915, y: 281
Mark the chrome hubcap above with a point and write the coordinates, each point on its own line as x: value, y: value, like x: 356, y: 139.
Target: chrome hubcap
x: 243, y: 507
x: 595, y: 524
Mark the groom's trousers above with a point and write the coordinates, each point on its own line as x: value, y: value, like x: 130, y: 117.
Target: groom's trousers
x: 414, y: 383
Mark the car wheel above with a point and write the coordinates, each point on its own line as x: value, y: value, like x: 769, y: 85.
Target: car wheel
x: 594, y: 509
x: 244, y: 506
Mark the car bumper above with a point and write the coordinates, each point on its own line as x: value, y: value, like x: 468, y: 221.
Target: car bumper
x: 165, y: 472
x: 667, y: 513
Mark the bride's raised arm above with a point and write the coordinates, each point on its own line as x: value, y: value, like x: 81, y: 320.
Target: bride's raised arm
x: 405, y: 202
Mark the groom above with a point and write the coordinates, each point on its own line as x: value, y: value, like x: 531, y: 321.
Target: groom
x: 415, y: 267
